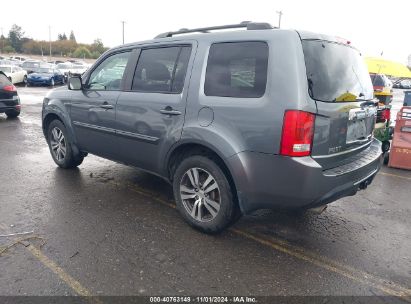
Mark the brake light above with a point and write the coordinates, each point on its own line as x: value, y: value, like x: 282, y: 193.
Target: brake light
x: 298, y: 133
x: 10, y: 88
x: 378, y: 88
x: 386, y: 114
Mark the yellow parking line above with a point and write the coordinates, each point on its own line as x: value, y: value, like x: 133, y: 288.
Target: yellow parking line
x: 389, y: 288
x: 394, y: 175
x: 363, y: 277
x: 69, y: 280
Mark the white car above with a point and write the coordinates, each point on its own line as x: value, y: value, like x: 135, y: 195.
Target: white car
x: 14, y: 73
x: 64, y: 68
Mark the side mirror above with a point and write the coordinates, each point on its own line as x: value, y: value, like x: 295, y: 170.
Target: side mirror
x: 74, y: 83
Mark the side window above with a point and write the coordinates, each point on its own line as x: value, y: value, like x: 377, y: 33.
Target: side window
x: 237, y: 69
x: 161, y: 70
x: 109, y: 73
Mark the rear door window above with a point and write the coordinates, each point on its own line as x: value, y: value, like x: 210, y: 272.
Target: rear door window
x: 161, y: 70
x: 237, y: 69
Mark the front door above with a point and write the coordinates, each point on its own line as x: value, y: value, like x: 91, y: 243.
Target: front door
x: 150, y: 114
x: 93, y: 109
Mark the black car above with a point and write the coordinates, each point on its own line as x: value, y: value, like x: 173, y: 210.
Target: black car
x: 9, y: 99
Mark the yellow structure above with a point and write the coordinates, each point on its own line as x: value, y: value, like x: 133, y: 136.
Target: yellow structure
x: 387, y: 67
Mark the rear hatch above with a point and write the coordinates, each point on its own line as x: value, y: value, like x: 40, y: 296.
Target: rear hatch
x: 8, y: 93
x: 339, y: 83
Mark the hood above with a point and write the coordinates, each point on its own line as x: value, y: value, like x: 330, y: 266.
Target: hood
x: 40, y: 75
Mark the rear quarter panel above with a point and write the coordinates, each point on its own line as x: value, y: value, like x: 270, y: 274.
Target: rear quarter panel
x: 250, y: 124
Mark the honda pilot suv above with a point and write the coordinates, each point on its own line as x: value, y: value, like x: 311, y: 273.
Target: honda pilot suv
x: 235, y: 120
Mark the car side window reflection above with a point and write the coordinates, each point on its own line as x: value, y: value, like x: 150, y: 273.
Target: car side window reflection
x: 109, y: 74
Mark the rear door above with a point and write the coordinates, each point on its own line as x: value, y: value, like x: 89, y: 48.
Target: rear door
x: 150, y: 114
x: 339, y: 82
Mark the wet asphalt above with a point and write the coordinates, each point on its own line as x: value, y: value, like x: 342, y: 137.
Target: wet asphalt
x: 113, y: 230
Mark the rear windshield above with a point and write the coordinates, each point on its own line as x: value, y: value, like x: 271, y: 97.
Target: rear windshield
x: 4, y: 80
x: 377, y: 80
x: 335, y: 71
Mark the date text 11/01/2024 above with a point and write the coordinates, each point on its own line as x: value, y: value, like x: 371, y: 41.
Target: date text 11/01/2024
x: 234, y: 299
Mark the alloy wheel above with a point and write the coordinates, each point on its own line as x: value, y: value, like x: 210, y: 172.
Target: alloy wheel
x: 58, y: 144
x: 200, y: 194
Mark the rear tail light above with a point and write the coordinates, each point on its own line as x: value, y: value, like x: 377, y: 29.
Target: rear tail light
x: 10, y: 88
x: 386, y: 114
x: 18, y: 107
x: 298, y: 133
x: 378, y: 88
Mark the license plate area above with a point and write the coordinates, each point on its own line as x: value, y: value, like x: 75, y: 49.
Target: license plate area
x: 359, y: 125
x: 357, y: 131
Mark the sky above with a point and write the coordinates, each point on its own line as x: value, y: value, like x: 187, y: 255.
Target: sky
x: 375, y: 27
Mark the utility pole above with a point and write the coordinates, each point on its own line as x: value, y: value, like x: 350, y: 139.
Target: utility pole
x: 50, y: 39
x: 280, y: 14
x: 123, y: 29
x: 2, y: 40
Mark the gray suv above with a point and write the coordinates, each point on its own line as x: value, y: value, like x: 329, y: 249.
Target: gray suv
x: 234, y: 120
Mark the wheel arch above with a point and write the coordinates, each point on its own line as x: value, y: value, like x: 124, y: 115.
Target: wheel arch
x: 184, y: 149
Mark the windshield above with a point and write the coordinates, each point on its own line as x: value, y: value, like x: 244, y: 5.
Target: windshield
x: 336, y: 72
x: 63, y: 66
x: 5, y: 69
x: 45, y: 70
x: 377, y: 80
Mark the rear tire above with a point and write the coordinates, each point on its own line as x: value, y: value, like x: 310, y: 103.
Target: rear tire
x: 203, y: 194
x: 13, y: 113
x: 386, y: 158
x: 61, y: 147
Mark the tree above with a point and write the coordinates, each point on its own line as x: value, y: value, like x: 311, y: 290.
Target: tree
x: 97, y: 46
x: 72, y: 37
x: 62, y: 36
x: 82, y: 52
x: 9, y: 49
x: 15, y: 36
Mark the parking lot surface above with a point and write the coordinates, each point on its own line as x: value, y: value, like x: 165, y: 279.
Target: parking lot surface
x: 108, y: 229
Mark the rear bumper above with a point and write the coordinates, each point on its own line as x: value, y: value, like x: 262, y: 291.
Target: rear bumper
x: 274, y: 181
x: 9, y: 104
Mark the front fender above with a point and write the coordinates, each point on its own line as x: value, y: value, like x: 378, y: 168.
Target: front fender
x: 58, y: 104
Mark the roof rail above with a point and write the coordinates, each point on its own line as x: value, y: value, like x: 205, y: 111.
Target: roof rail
x: 245, y: 24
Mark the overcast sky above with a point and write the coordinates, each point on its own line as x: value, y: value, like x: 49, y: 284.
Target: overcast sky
x: 372, y: 26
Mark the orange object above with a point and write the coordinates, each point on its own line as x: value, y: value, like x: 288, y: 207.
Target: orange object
x: 400, y: 154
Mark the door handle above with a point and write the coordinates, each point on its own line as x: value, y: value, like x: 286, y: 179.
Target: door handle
x: 107, y: 106
x: 169, y: 111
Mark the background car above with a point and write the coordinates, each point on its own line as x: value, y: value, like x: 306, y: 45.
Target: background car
x: 14, y: 73
x: 45, y: 76
x: 382, y: 88
x: 33, y: 66
x: 404, y: 84
x: 9, y: 99
x: 78, y: 69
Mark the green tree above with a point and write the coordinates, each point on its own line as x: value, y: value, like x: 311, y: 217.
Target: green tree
x: 15, y: 36
x: 82, y: 52
x: 9, y: 49
x: 72, y: 37
x: 97, y: 46
x: 62, y: 36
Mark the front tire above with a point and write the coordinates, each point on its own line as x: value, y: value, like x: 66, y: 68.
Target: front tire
x: 60, y: 146
x: 203, y: 194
